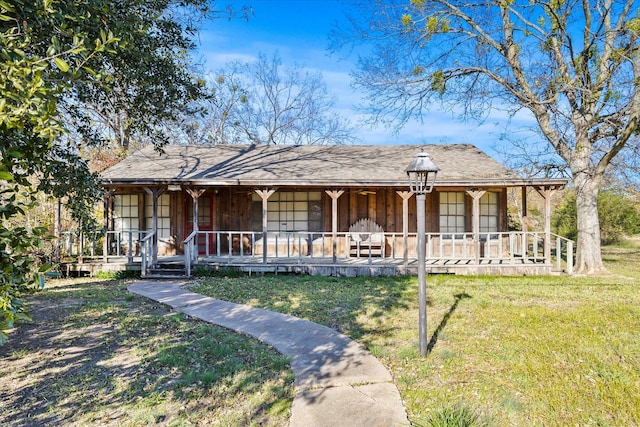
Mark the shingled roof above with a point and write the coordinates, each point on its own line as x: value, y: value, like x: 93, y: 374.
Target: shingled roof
x: 307, y: 165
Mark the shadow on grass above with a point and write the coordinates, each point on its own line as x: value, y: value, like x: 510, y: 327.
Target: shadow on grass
x: 94, y: 350
x: 434, y: 338
x: 353, y: 308
x: 335, y: 302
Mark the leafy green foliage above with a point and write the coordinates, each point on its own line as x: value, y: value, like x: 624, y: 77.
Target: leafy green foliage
x: 119, y: 275
x: 18, y: 268
x: 210, y: 271
x: 56, y: 59
x: 619, y: 216
x: 149, y: 75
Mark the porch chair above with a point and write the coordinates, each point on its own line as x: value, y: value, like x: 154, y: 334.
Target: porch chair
x: 366, y: 238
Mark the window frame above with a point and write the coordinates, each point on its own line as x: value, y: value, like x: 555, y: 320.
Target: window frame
x: 128, y: 212
x: 455, y: 210
x: 489, y: 209
x: 289, y: 212
x: 164, y: 215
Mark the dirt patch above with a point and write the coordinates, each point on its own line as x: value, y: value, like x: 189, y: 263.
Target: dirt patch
x: 67, y: 360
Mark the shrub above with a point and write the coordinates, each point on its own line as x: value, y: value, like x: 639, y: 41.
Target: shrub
x: 213, y: 271
x: 619, y: 216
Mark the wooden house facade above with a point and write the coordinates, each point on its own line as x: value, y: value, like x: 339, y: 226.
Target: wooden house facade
x: 319, y: 209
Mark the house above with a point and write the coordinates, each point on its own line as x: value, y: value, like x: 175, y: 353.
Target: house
x: 343, y: 209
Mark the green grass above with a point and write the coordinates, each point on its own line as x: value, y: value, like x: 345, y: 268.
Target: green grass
x: 455, y: 416
x: 96, y: 355
x: 503, y: 351
x: 534, y: 351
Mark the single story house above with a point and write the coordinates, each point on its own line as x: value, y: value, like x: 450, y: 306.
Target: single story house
x: 342, y: 209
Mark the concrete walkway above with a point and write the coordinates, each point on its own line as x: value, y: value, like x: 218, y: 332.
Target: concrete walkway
x: 337, y: 381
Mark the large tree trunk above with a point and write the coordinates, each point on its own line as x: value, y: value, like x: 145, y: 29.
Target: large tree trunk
x: 589, y: 257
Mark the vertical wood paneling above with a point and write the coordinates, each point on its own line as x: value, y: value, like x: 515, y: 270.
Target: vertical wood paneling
x: 468, y: 213
x: 503, y: 219
x: 176, y: 217
x: 234, y: 217
x: 231, y: 210
x: 224, y: 196
x: 326, y: 212
x: 353, y: 207
x: 343, y: 212
x: 389, y: 199
x: 413, y: 215
x: 432, y: 213
x: 372, y: 211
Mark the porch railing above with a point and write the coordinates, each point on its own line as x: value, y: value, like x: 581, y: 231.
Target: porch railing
x: 146, y: 253
x: 508, y: 247
x: 563, y: 253
x: 74, y: 243
x: 511, y: 247
x: 124, y: 243
x: 190, y: 252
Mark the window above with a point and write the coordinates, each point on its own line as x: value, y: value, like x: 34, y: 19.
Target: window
x: 289, y: 211
x: 164, y: 216
x: 125, y: 212
x: 489, y: 213
x: 452, y: 209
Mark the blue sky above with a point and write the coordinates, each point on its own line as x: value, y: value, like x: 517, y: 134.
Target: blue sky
x: 298, y: 30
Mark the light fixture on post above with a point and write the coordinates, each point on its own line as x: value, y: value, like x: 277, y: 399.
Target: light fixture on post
x: 422, y: 175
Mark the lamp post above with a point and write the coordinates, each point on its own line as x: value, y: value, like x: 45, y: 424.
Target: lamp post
x: 422, y: 175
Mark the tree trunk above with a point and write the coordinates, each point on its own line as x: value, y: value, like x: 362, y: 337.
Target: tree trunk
x: 589, y: 257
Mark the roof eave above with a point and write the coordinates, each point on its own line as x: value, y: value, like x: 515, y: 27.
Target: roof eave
x: 500, y: 182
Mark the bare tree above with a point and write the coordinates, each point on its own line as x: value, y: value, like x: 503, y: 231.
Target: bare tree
x: 263, y: 102
x: 573, y: 64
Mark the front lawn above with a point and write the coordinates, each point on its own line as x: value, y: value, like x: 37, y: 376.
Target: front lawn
x: 522, y: 351
x: 519, y: 351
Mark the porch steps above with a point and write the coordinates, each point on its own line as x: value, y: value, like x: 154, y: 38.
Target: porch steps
x: 167, y: 272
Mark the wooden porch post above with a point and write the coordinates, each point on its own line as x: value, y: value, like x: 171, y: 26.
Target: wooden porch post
x: 264, y: 194
x: 154, y: 193
x: 547, y: 193
x: 405, y: 195
x: 57, y: 228
x: 525, y: 213
x: 334, y: 194
x: 195, y: 194
x: 81, y: 244
x: 107, y: 215
x: 475, y: 220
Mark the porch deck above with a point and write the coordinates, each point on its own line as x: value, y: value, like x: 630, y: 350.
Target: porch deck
x: 348, y: 267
